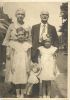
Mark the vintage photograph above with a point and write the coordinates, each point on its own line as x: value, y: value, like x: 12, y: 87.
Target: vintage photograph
x: 33, y: 49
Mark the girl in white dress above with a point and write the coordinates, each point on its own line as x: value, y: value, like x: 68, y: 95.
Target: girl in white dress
x: 20, y: 61
x: 48, y: 64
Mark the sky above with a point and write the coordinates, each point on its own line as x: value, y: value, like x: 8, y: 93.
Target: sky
x: 33, y: 10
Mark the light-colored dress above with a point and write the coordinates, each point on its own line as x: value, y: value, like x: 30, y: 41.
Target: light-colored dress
x: 33, y: 79
x: 19, y: 62
x: 10, y: 35
x: 48, y: 63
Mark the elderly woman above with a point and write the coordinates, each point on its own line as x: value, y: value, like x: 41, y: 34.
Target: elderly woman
x: 12, y: 35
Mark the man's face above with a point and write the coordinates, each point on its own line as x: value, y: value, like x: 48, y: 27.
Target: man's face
x: 44, y: 16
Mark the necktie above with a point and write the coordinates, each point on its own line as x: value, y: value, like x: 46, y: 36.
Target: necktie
x: 43, y: 31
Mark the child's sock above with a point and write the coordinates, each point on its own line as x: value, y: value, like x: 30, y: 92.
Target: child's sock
x: 48, y: 89
x: 44, y: 96
x: 44, y: 89
x: 18, y: 93
x: 22, y: 93
x: 29, y: 89
x: 40, y: 90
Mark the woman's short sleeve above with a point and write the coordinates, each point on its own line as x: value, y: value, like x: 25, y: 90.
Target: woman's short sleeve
x: 10, y: 34
x: 7, y: 37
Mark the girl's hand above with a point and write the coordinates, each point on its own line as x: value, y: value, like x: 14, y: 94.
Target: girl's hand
x: 55, y: 55
x: 8, y: 52
x: 7, y: 56
x: 28, y: 73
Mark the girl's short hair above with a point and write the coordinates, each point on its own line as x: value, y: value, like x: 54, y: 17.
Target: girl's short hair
x: 24, y: 32
x: 20, y: 29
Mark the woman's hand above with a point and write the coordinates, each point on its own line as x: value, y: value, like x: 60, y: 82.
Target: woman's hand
x: 8, y: 52
x: 12, y: 70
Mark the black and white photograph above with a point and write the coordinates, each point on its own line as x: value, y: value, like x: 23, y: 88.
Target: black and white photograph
x: 33, y: 49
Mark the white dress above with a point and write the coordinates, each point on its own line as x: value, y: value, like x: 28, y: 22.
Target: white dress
x: 19, y: 62
x: 11, y: 35
x: 33, y: 78
x: 47, y: 63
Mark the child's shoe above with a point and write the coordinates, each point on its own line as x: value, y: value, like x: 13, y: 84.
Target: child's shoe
x: 44, y: 96
x: 22, y: 96
x: 48, y: 97
x: 18, y: 96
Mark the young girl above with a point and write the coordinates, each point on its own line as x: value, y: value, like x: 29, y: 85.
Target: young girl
x: 33, y: 78
x: 48, y: 64
x: 20, y: 61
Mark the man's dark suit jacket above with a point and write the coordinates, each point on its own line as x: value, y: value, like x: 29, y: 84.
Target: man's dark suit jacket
x: 35, y: 39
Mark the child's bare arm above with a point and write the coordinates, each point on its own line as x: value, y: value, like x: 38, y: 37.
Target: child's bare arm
x: 39, y: 57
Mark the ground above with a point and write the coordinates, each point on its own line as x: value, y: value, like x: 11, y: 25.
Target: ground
x: 59, y: 86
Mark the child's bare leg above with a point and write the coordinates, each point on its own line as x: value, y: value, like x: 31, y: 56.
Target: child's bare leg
x: 27, y: 85
x: 22, y: 90
x: 40, y: 89
x: 48, y: 89
x: 44, y: 89
x: 29, y: 89
x: 22, y: 93
x: 17, y: 91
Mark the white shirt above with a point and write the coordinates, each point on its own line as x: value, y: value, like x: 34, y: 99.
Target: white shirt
x: 43, y: 34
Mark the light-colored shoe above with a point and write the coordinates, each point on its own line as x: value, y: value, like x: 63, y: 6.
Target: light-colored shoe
x: 48, y: 97
x: 56, y: 96
x: 44, y: 96
x: 18, y: 96
x: 21, y: 96
x: 40, y: 96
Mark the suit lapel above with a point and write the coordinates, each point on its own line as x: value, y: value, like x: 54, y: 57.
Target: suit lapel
x: 38, y: 32
x: 49, y: 30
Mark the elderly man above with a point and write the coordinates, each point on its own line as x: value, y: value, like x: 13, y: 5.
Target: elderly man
x: 39, y: 32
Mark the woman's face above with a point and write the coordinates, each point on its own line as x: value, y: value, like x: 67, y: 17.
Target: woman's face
x: 20, y: 16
